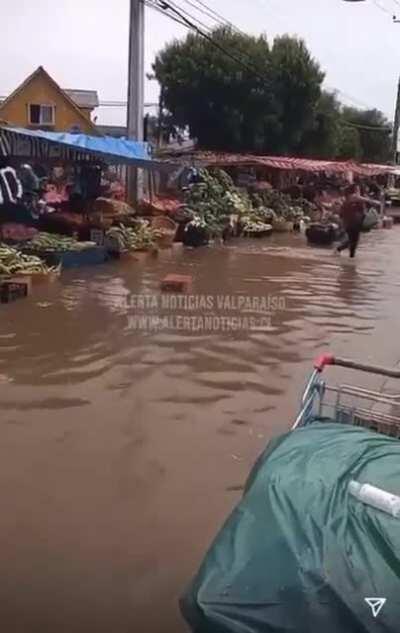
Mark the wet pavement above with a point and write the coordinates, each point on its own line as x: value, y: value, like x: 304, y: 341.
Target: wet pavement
x: 124, y: 447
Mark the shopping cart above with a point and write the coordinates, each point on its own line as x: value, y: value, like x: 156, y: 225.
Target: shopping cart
x: 298, y: 553
x: 348, y: 404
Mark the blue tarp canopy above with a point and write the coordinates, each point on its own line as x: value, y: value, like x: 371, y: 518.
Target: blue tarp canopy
x: 19, y: 142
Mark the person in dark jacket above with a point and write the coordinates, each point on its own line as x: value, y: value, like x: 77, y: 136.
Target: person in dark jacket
x: 353, y: 213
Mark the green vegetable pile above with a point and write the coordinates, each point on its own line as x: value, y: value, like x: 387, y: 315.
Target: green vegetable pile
x: 213, y: 200
x: 13, y: 262
x: 49, y: 243
x: 140, y: 238
x: 281, y: 205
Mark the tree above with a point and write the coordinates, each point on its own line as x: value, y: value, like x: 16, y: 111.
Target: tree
x: 238, y: 93
x: 349, y: 143
x: 323, y: 139
x: 347, y: 133
x: 296, y: 85
x: 374, y: 131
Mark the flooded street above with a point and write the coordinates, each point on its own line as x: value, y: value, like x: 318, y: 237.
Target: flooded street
x: 122, y: 450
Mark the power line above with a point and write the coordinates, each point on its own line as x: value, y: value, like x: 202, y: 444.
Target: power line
x: 121, y: 104
x: 372, y: 128
x: 219, y: 22
x: 218, y: 15
x: 108, y: 104
x: 176, y: 9
x: 381, y: 7
x: 357, y: 103
x: 208, y: 13
x: 351, y: 98
x: 165, y: 6
x: 186, y: 13
x: 155, y: 7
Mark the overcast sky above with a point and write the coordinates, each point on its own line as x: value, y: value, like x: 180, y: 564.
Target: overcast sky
x: 84, y: 43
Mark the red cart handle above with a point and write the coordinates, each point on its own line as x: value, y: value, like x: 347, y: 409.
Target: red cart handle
x: 329, y: 359
x: 323, y: 361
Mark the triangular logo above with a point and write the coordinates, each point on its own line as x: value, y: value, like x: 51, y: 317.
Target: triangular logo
x: 376, y: 605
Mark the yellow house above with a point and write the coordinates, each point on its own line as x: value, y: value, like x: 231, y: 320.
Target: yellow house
x: 40, y: 103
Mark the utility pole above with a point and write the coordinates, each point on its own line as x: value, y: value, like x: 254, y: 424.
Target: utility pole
x: 135, y: 92
x: 396, y: 127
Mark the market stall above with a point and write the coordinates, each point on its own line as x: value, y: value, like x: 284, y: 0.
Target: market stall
x: 54, y: 205
x: 249, y: 170
x: 267, y: 190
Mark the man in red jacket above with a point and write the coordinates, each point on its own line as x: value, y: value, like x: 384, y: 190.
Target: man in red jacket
x: 353, y: 213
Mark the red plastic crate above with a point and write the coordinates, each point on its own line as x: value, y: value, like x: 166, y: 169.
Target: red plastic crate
x: 176, y: 283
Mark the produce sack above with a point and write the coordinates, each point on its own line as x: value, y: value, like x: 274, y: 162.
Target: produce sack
x: 370, y: 220
x: 299, y: 554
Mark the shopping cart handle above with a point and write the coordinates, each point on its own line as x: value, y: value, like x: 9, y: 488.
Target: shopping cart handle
x: 323, y: 361
x: 329, y: 359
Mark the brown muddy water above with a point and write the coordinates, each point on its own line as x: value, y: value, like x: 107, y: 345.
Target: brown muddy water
x: 123, y: 449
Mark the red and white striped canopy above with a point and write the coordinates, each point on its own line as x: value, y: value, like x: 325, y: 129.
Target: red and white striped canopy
x: 291, y: 164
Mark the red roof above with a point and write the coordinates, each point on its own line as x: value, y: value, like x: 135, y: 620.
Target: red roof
x: 289, y: 164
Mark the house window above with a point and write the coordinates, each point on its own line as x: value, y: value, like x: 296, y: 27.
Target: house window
x: 41, y: 114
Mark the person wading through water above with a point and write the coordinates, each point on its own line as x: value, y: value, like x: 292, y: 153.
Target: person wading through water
x: 353, y: 213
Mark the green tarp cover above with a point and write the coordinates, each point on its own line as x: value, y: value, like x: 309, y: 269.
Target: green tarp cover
x: 299, y: 554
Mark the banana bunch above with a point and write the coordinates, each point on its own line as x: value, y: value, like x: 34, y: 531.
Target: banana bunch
x: 13, y: 262
x: 47, y: 242
x: 142, y: 237
x: 124, y: 236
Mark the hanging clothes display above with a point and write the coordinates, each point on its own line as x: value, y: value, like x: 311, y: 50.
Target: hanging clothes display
x: 10, y: 186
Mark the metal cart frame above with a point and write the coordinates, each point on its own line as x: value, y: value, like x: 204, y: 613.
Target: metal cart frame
x: 349, y: 404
